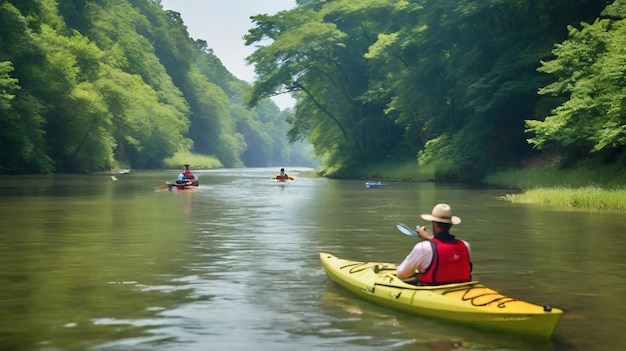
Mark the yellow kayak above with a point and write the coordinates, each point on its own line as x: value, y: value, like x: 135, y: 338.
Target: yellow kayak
x: 468, y: 303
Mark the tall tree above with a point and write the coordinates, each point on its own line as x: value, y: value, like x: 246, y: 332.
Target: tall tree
x: 317, y: 53
x: 22, y: 135
x: 589, y: 70
x: 472, y: 82
x: 149, y: 114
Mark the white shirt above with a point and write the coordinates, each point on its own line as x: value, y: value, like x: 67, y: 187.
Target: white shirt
x: 419, y: 259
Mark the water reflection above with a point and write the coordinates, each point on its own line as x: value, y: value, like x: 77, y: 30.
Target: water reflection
x: 91, y: 263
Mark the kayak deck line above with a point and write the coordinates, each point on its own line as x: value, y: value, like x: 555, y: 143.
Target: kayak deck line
x: 465, y: 286
x: 501, y: 304
x: 466, y: 290
x: 470, y: 303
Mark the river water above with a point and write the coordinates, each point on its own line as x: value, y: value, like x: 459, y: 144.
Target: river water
x: 92, y: 263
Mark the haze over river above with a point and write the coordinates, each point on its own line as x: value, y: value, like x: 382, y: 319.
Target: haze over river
x: 89, y: 263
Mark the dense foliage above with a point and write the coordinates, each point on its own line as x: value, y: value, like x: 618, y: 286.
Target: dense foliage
x: 452, y: 83
x: 95, y: 84
x: 590, y: 68
x: 460, y: 87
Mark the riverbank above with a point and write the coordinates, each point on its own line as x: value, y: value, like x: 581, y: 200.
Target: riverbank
x: 592, y: 198
x: 594, y: 188
x: 196, y: 161
x: 601, y: 188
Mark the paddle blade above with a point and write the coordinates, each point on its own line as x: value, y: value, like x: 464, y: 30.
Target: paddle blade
x: 406, y: 230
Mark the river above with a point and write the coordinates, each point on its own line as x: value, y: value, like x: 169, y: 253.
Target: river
x: 92, y: 263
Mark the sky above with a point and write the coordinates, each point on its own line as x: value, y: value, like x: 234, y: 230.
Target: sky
x: 222, y: 24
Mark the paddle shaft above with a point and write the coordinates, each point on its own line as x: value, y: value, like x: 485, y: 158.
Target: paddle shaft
x: 168, y: 185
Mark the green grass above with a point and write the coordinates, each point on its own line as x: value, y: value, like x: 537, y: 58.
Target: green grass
x: 196, y: 161
x: 587, y: 198
x: 601, y: 177
x: 598, y: 188
x: 404, y: 171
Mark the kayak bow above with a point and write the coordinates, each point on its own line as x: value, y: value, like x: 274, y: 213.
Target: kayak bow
x: 469, y: 303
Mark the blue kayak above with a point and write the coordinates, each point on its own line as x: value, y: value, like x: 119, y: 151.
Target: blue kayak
x: 377, y: 184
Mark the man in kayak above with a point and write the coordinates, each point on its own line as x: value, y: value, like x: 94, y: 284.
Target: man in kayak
x: 283, y: 175
x: 187, y: 178
x: 441, y: 259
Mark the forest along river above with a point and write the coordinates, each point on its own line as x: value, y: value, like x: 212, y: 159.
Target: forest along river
x: 87, y: 262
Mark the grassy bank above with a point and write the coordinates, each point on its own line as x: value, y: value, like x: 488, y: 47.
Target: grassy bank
x: 550, y: 176
x: 196, y: 161
x: 598, y: 188
x: 592, y: 198
x: 401, y: 171
x: 595, y: 188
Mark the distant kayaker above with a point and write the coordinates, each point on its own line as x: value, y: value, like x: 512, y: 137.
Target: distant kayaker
x: 283, y: 175
x: 441, y: 259
x: 186, y: 177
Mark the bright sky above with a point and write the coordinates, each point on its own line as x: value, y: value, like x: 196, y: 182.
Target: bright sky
x: 223, y: 24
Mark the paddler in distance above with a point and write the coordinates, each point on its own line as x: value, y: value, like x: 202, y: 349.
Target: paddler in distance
x: 282, y: 176
x: 187, y: 178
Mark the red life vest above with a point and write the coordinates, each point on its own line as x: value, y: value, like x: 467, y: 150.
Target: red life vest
x: 451, y: 263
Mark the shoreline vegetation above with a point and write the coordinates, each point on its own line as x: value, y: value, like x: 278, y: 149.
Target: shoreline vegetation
x: 197, y: 161
x: 597, y: 188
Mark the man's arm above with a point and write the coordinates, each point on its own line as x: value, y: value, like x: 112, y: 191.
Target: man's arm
x: 418, y: 260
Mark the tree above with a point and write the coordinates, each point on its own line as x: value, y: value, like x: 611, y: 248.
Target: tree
x: 589, y: 70
x: 452, y: 81
x: 22, y: 136
x: 471, y: 79
x: 317, y: 53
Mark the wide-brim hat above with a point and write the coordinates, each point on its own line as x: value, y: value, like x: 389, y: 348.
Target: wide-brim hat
x: 442, y: 213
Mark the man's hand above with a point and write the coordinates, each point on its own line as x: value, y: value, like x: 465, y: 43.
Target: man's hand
x: 421, y: 231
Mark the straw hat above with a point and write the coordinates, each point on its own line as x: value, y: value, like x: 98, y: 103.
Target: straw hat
x: 442, y: 214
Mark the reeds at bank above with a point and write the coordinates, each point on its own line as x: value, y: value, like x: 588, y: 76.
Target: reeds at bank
x: 594, y: 188
x: 601, y: 188
x: 587, y: 197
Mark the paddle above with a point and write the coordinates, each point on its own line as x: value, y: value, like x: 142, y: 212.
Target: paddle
x: 406, y: 230
x: 168, y: 185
